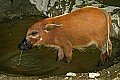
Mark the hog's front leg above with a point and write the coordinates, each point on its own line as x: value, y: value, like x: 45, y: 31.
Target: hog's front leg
x: 60, y: 54
x: 66, y: 46
x: 68, y: 53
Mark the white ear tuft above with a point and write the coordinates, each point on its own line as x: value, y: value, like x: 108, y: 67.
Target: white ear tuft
x: 41, y: 39
x: 49, y: 27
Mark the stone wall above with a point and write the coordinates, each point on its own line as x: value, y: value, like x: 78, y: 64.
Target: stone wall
x: 16, y: 8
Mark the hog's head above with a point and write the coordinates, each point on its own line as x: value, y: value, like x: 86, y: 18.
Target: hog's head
x: 36, y: 35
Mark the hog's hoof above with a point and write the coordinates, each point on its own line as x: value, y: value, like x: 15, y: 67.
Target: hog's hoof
x: 107, y: 58
x: 68, y: 60
x: 100, y: 64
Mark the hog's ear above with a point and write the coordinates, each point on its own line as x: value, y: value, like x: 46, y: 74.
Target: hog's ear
x: 49, y: 27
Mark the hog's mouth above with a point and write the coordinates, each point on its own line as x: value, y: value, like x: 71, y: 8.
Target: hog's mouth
x: 25, y: 45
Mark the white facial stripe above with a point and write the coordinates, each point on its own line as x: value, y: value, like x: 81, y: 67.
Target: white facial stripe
x: 35, y: 36
x: 41, y: 39
x: 46, y: 31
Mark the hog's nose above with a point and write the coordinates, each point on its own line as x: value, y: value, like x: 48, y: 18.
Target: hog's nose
x: 22, y: 47
x: 25, y: 45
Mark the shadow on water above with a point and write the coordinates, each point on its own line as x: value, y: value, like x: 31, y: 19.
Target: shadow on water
x: 42, y: 60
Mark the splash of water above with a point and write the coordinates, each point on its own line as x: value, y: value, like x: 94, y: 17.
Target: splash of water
x: 20, y: 57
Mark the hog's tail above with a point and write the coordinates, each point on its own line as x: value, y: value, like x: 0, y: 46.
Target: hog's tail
x: 108, y: 30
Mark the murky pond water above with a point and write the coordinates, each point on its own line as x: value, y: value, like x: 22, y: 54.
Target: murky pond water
x: 42, y: 60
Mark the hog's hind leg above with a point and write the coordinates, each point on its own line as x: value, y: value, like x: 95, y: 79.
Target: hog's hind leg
x: 109, y: 47
x: 108, y: 53
x: 105, y: 55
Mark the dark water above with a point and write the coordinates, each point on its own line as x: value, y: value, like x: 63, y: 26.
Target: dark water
x: 42, y: 60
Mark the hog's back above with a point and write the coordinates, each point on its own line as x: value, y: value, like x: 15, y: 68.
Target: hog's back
x: 83, y: 26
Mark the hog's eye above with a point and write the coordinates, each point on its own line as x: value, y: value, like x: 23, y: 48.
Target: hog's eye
x: 34, y: 33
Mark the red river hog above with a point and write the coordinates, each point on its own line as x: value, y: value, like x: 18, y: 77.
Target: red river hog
x: 80, y: 28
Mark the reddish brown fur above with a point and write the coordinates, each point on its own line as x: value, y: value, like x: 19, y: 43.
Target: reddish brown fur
x: 76, y: 29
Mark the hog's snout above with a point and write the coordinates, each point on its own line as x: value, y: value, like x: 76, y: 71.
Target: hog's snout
x: 25, y: 44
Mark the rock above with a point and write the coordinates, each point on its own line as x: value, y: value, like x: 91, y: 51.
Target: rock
x: 93, y: 75
x: 115, y: 29
x: 70, y: 74
x: 9, y: 10
x: 111, y: 2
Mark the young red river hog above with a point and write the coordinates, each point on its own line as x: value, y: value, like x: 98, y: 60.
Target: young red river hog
x: 79, y: 28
